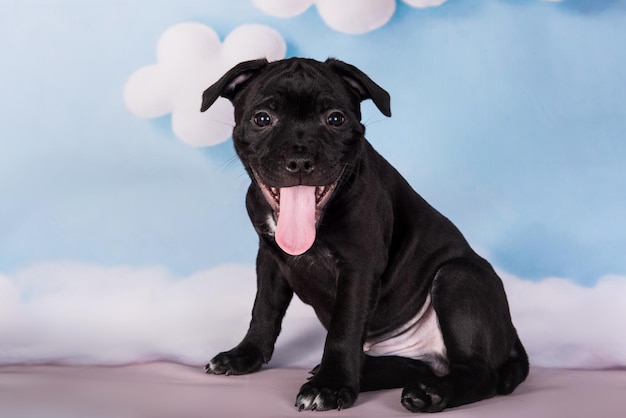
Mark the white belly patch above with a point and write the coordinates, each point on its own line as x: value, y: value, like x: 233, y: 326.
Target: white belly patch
x: 420, y: 338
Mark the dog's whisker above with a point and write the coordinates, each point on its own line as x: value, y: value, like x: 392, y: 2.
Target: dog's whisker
x: 244, y: 180
x: 230, y: 162
x: 223, y: 122
x: 373, y: 122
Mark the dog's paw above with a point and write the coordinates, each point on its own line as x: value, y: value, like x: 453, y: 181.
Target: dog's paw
x: 425, y: 396
x: 239, y: 360
x: 315, y: 395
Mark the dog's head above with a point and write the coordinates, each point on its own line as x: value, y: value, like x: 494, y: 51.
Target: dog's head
x: 298, y: 131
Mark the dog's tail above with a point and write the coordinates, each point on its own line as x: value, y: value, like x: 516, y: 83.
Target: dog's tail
x: 514, y: 370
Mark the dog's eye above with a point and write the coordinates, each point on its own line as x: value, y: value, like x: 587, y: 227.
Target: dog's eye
x: 336, y: 119
x: 262, y: 119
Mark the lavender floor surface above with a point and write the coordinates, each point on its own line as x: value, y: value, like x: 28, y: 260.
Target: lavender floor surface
x: 169, y: 390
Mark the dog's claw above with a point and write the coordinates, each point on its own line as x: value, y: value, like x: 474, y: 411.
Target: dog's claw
x: 301, y: 407
x: 208, y: 369
x: 339, y: 404
x: 314, y: 370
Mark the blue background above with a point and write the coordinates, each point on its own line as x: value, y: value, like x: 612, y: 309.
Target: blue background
x: 508, y: 116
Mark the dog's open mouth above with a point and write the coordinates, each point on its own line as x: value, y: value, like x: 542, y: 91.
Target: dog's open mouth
x: 297, y: 210
x: 322, y: 193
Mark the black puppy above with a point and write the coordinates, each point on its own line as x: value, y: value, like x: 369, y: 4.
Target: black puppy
x: 405, y: 300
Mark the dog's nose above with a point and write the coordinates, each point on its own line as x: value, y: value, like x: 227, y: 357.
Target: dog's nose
x: 302, y: 165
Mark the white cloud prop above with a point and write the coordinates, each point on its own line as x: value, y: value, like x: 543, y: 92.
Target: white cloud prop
x: 348, y: 16
x: 190, y: 57
x: 422, y: 4
x: 566, y: 325
x: 87, y: 314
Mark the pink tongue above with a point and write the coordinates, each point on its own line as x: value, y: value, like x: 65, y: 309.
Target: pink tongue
x: 295, y: 231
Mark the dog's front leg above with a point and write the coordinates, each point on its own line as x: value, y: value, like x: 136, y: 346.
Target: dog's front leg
x: 335, y: 384
x: 272, y: 299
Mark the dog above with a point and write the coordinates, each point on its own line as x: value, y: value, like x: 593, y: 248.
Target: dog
x: 404, y: 299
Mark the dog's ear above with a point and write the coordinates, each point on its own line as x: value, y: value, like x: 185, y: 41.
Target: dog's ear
x: 364, y: 85
x: 230, y: 83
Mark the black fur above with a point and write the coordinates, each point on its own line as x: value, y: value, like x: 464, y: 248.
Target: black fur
x: 380, y: 249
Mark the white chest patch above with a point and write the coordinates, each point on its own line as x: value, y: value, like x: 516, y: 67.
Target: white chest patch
x: 420, y: 338
x: 271, y: 225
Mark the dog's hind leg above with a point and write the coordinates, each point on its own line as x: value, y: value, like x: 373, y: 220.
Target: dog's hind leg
x: 390, y: 372
x: 473, y: 314
x: 468, y: 381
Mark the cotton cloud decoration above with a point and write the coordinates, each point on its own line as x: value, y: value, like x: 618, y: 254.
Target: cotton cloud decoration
x: 422, y: 4
x: 82, y: 313
x: 74, y: 313
x: 349, y: 16
x: 190, y: 57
